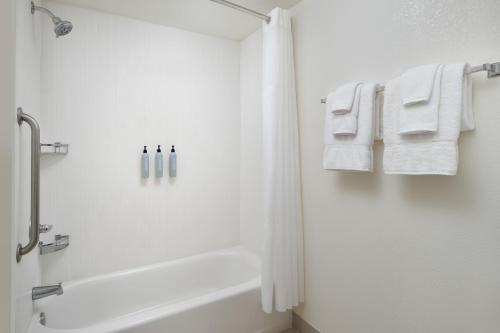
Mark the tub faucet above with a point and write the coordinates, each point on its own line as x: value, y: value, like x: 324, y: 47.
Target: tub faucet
x: 45, y: 291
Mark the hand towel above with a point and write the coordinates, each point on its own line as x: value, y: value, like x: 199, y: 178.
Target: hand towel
x: 417, y: 84
x: 347, y: 123
x: 467, y: 122
x: 342, y: 99
x: 352, y: 152
x: 431, y: 153
x: 421, y: 114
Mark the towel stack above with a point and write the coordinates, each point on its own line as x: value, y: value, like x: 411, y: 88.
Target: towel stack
x: 349, y: 128
x: 424, y: 111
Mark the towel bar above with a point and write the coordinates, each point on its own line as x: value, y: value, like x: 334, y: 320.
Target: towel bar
x: 492, y: 69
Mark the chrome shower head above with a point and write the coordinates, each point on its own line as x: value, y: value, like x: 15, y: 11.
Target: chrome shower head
x: 61, y: 27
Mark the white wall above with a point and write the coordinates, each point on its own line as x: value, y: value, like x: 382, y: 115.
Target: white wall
x: 111, y: 86
x: 7, y: 121
x: 28, y: 51
x: 251, y: 201
x: 392, y: 254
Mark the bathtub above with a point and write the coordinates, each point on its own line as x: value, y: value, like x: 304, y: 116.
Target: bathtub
x: 216, y: 292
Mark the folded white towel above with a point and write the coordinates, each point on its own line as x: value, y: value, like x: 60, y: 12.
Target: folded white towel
x: 417, y: 84
x: 352, y: 152
x: 347, y: 123
x: 341, y: 100
x: 421, y: 114
x: 432, y: 153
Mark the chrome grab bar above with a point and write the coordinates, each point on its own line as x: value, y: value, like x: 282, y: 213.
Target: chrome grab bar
x: 34, y: 233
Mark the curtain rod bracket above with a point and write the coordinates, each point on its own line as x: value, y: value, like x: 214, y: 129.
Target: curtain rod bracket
x: 493, y: 69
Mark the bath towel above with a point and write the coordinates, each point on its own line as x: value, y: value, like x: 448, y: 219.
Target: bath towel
x: 431, y: 153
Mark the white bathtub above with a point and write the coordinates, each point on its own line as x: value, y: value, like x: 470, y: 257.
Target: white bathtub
x: 217, y: 292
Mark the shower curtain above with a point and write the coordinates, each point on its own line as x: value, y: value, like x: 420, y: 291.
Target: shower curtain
x: 282, y: 259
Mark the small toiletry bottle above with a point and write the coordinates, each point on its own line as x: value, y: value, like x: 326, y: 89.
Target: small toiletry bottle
x: 159, y: 163
x: 145, y: 163
x: 172, y: 163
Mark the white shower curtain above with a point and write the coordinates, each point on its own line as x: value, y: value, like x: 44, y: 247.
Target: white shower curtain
x: 282, y: 259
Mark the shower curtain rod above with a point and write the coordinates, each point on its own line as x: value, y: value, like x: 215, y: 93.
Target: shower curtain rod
x: 243, y: 9
x: 492, y: 69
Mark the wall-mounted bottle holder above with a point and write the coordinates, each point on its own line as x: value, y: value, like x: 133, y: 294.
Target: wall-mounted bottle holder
x: 55, y: 148
x: 60, y: 242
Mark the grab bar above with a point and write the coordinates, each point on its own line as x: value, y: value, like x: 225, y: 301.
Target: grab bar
x: 34, y: 233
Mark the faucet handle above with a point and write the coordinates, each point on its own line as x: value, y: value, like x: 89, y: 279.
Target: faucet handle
x: 44, y: 228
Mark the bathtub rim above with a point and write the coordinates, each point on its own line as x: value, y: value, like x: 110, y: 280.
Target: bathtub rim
x: 233, y: 251
x: 150, y: 314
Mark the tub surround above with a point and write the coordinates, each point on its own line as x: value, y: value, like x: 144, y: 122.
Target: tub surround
x: 110, y: 87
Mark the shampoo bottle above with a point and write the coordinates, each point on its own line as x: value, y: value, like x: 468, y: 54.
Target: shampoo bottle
x: 172, y: 163
x: 145, y: 163
x: 159, y: 163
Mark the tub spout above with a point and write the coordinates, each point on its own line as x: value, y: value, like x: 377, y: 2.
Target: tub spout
x: 45, y: 291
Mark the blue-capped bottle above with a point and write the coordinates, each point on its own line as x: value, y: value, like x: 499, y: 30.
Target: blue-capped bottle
x: 159, y: 163
x: 172, y: 163
x: 145, y: 163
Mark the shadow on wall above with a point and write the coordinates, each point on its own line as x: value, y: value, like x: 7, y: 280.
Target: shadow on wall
x: 366, y: 183
x: 457, y: 193
x: 442, y: 193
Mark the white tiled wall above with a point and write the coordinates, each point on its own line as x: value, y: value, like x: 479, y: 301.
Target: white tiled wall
x: 251, y: 186
x: 111, y: 86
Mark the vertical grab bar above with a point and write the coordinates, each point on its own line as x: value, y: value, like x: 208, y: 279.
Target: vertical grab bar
x: 34, y: 233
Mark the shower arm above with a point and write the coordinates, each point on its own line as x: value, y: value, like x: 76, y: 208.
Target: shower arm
x: 44, y: 10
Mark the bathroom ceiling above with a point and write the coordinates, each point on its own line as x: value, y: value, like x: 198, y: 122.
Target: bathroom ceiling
x: 202, y: 16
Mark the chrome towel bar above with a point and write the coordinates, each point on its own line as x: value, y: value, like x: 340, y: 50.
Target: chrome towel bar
x: 34, y: 233
x: 492, y: 69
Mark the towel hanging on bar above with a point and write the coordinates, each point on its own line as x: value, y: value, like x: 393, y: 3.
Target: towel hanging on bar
x: 492, y: 69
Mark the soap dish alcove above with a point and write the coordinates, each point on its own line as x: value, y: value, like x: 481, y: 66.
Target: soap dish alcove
x: 56, y: 148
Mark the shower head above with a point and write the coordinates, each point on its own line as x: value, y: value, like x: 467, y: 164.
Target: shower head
x: 61, y: 27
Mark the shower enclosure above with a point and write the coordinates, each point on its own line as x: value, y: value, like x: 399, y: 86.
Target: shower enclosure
x: 147, y: 254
